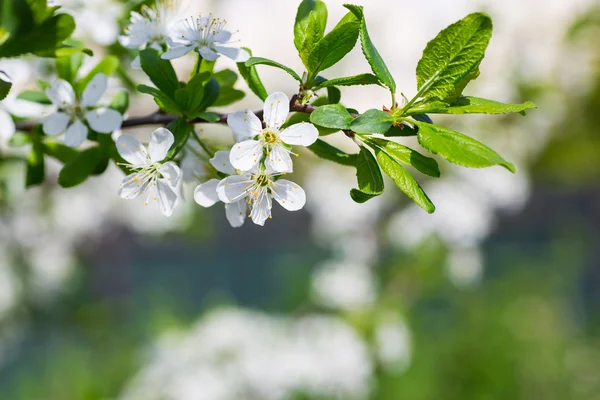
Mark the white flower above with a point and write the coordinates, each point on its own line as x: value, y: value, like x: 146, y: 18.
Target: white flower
x: 151, y: 26
x: 257, y: 188
x: 248, y: 153
x: 206, y: 193
x: 73, y: 112
x: 151, y: 174
x: 206, y: 35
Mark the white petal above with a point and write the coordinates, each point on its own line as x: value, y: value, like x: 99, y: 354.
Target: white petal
x: 245, y: 125
x: 276, y: 109
x: 104, y: 120
x: 246, y: 154
x: 7, y: 126
x: 206, y: 193
x: 177, y: 52
x: 233, y: 188
x: 132, y: 150
x: 61, y: 93
x: 222, y: 37
x: 94, y: 90
x: 132, y: 186
x: 302, y: 134
x: 280, y: 160
x: 237, y: 55
x: 171, y: 172
x: 222, y: 164
x: 136, y: 63
x: 167, y: 197
x: 55, y: 123
x: 291, y: 196
x: 208, y: 54
x: 161, y: 141
x: 261, y: 208
x: 76, y: 134
x: 236, y: 213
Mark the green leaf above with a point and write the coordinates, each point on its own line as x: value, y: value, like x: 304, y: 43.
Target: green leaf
x: 252, y: 79
x: 228, y: 96
x: 19, y: 139
x: 362, y: 79
x: 471, y: 105
x: 107, y: 67
x: 307, y: 7
x: 196, y: 89
x: 458, y: 148
x: 400, y: 131
x: 5, y: 85
x: 160, y: 71
x: 264, y: 61
x: 313, y: 34
x: 452, y: 59
x: 120, y: 102
x: 334, y: 95
x: 375, y: 60
x: 226, y: 78
x: 36, y: 171
x: 59, y: 151
x: 372, y: 121
x: 181, y: 131
x: 406, y: 155
x: 326, y: 151
x: 404, y: 180
x: 162, y: 100
x: 80, y: 168
x: 368, y: 174
x: 333, y: 116
x: 333, y: 47
x: 210, y: 116
x: 211, y: 94
x: 67, y: 66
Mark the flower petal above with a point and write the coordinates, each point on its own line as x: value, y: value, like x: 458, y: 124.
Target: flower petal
x: 222, y: 164
x: 222, y: 37
x: 280, y: 160
x: 206, y: 193
x: 233, y: 188
x: 171, y: 172
x: 246, y: 154
x: 236, y: 213
x: 132, y: 150
x: 55, y: 123
x: 301, y: 134
x: 176, y: 52
x: 104, y: 120
x: 276, y: 109
x: 132, y: 186
x: 261, y: 208
x: 94, y: 90
x: 208, y: 54
x: 291, y: 196
x: 167, y: 197
x: 61, y: 93
x: 7, y: 126
x: 161, y: 141
x: 76, y: 134
x: 237, y: 55
x: 245, y: 125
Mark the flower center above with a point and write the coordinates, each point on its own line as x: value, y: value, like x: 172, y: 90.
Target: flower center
x: 270, y: 137
x: 263, y: 180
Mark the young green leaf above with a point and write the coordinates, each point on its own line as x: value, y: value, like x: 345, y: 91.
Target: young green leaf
x: 107, y: 67
x: 160, y: 71
x: 314, y: 33
x: 405, y: 155
x: 326, y: 151
x: 362, y: 79
x: 452, y: 59
x: 251, y: 77
x: 368, y: 174
x: 472, y: 105
x: 162, y: 100
x: 404, y: 180
x: 333, y: 47
x: 375, y: 60
x: 195, y: 88
x: 372, y: 121
x: 458, y: 148
x: 264, y: 61
x: 333, y: 116
x: 319, y: 13
x: 211, y: 94
x: 79, y: 168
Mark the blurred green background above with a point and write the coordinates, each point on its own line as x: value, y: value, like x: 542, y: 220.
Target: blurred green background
x: 300, y: 310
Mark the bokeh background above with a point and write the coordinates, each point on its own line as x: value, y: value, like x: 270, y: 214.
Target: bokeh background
x: 495, y: 296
